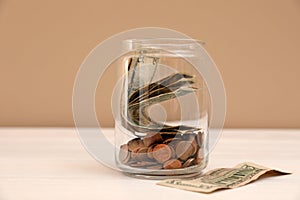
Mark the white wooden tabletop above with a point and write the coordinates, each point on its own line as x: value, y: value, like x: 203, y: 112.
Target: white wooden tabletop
x: 51, y: 163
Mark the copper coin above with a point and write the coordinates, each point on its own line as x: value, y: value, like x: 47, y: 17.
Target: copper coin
x: 150, y: 152
x: 162, y: 153
x: 135, y: 143
x: 198, y: 160
x: 189, y: 136
x: 141, y: 154
x: 193, y: 138
x: 124, y: 154
x: 152, y: 139
x: 172, y: 164
x: 173, y: 151
x: 134, y: 154
x: 185, y: 149
x: 172, y: 144
x: 169, y: 140
x: 189, y: 162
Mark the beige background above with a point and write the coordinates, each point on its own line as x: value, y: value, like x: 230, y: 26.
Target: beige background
x: 256, y: 45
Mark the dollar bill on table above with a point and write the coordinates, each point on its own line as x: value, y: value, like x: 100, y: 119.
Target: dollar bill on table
x: 223, y: 178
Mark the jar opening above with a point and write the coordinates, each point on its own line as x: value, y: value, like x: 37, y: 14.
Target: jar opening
x: 163, y: 42
x: 180, y: 46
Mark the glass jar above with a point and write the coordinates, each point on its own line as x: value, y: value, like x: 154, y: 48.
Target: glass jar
x: 161, y: 128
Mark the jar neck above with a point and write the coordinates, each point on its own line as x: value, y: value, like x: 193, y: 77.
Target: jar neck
x: 171, y: 46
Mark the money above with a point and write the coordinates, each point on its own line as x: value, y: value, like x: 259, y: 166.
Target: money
x: 158, y: 151
x: 157, y: 145
x: 143, y: 92
x: 223, y: 178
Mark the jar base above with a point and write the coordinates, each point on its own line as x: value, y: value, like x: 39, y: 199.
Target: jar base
x: 185, y: 173
x: 162, y: 177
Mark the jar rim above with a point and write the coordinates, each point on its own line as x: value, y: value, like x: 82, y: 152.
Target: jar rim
x: 163, y: 41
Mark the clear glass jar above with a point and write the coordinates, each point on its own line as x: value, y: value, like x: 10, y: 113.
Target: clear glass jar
x: 162, y: 125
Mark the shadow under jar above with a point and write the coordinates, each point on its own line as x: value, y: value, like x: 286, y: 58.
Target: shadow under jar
x: 162, y: 124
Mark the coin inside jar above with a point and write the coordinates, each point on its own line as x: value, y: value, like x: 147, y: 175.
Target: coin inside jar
x: 172, y: 142
x: 152, y: 138
x: 124, y: 154
x: 150, y: 152
x: 185, y: 149
x: 135, y: 143
x: 189, y: 162
x: 172, y: 164
x: 134, y: 153
x: 161, y: 153
x: 141, y: 154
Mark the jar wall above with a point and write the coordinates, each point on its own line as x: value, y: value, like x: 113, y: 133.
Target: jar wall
x: 162, y: 125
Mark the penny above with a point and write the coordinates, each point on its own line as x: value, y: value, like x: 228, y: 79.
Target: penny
x: 189, y: 136
x: 185, y: 149
x: 198, y: 160
x: 162, y: 153
x: 172, y: 142
x: 141, y: 154
x: 173, y: 151
x: 134, y: 153
x: 169, y: 140
x: 152, y: 138
x: 172, y: 164
x: 135, y: 143
x: 150, y: 152
x: 192, y: 138
x: 189, y: 162
x: 124, y: 154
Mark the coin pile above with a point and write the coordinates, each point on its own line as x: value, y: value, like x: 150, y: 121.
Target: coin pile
x: 163, y: 151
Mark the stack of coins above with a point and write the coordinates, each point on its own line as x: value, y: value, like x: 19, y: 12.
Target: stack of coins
x: 163, y: 151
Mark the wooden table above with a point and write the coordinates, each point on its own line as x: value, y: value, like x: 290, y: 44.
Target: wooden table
x: 51, y: 163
